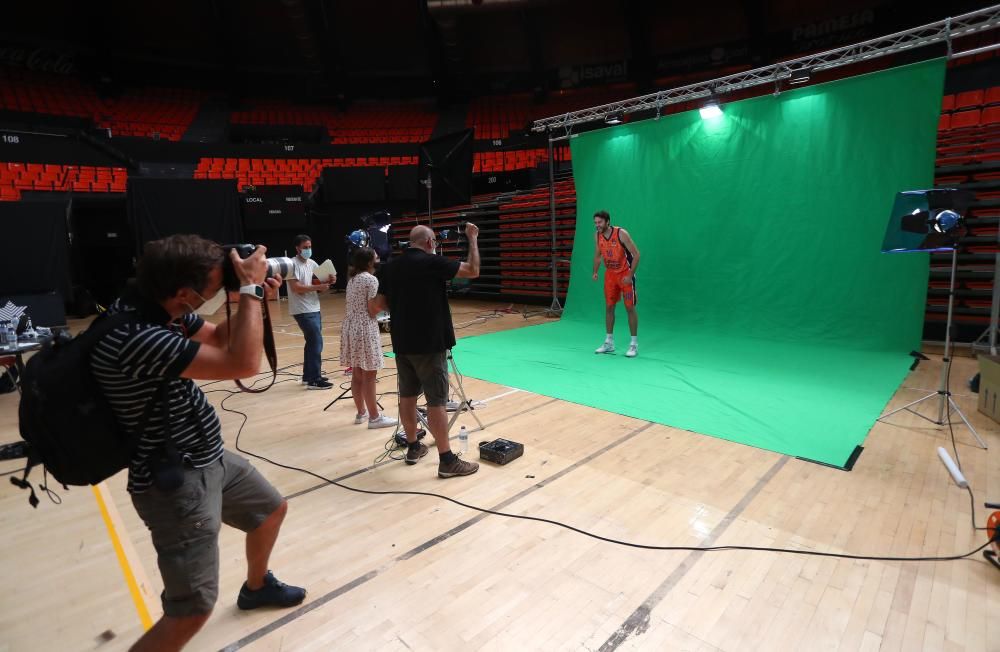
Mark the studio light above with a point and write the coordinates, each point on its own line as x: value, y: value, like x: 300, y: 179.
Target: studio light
x: 926, y: 220
x: 358, y: 238
x: 800, y: 77
x: 711, y: 110
x: 615, y: 118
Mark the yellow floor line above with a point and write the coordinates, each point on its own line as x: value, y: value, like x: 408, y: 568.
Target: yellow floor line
x: 133, y: 585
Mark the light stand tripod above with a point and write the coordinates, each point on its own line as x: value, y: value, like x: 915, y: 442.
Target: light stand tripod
x: 943, y: 394
x: 556, y: 308
x: 429, y: 184
x: 464, y: 405
x: 932, y: 221
x: 344, y: 394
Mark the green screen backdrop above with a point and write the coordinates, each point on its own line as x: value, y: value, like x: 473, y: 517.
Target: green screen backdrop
x: 767, y: 313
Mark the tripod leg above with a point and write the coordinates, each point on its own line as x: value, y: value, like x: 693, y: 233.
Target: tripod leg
x: 968, y: 425
x: 464, y: 405
x: 908, y: 406
x: 342, y: 395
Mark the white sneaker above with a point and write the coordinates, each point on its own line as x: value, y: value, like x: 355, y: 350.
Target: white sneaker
x: 633, y: 350
x: 360, y: 418
x: 607, y: 347
x: 381, y: 422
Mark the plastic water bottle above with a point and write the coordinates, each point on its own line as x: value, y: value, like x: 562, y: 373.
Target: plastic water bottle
x: 463, y: 440
x: 10, y: 336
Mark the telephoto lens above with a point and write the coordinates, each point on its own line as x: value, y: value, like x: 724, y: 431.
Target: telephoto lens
x: 279, y: 266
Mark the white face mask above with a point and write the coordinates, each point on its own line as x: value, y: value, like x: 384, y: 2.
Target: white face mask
x: 208, y: 306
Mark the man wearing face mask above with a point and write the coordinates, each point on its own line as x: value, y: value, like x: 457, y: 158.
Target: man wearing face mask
x: 183, y: 483
x: 303, y: 305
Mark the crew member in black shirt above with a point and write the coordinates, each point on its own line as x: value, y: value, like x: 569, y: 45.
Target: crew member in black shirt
x: 414, y: 290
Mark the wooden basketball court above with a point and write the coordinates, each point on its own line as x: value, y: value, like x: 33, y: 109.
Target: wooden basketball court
x: 419, y: 573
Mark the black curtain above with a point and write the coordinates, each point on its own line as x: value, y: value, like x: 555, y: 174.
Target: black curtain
x: 35, y: 257
x: 206, y: 207
x: 103, y: 250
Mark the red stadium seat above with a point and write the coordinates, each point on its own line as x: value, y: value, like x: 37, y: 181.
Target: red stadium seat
x: 965, y: 119
x: 969, y: 99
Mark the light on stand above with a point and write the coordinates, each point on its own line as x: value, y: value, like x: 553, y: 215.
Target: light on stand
x: 931, y: 221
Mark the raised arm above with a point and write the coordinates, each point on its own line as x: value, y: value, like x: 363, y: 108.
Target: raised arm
x: 470, y: 268
x: 239, y: 357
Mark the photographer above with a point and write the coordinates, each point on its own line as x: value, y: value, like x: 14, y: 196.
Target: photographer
x: 413, y: 288
x: 183, y: 484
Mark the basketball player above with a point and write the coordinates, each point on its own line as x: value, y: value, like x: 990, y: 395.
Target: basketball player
x: 621, y: 259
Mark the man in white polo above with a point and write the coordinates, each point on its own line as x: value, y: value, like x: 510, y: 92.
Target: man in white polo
x: 303, y: 305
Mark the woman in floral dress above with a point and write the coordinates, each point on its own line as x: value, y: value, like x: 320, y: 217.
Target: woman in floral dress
x: 360, y: 344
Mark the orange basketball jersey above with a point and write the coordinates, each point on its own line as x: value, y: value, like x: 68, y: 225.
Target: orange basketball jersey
x: 617, y: 258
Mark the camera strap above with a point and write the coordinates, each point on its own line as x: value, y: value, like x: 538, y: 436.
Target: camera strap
x: 269, y: 351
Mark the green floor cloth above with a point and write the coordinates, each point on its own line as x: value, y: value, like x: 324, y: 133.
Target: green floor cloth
x: 768, y: 315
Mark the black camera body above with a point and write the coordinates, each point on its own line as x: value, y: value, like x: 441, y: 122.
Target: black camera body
x: 229, y: 279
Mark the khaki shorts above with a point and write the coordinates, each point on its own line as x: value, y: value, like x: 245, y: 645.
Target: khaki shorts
x: 185, y: 526
x: 426, y: 373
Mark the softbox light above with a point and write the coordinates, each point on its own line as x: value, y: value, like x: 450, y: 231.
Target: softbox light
x: 447, y: 161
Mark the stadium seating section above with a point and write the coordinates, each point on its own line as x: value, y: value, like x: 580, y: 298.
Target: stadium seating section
x: 18, y: 177
x: 363, y: 123
x: 151, y: 112
x: 286, y: 171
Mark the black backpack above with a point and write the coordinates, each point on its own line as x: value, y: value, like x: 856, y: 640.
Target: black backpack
x: 67, y: 422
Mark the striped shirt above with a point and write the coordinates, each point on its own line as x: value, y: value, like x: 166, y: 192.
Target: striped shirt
x: 130, y: 362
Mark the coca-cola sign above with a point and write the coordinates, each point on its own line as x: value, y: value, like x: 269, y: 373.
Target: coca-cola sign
x: 41, y: 59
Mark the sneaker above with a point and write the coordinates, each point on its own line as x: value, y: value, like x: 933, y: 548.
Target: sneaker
x: 319, y: 384
x: 414, y: 453
x: 458, y: 467
x: 382, y: 422
x: 633, y: 350
x: 306, y: 382
x: 607, y: 347
x: 360, y: 418
x: 272, y: 594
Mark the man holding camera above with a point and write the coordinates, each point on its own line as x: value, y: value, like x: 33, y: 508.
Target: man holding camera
x: 303, y: 305
x: 413, y: 288
x: 183, y: 483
